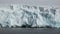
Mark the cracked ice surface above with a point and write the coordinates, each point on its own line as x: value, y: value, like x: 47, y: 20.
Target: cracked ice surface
x: 35, y: 16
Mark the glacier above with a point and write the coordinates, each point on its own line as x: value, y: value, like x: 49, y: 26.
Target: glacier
x: 33, y: 16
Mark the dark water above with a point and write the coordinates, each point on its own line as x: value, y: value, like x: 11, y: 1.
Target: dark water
x: 29, y: 31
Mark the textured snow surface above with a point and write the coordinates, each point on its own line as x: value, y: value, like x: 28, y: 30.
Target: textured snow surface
x: 35, y: 16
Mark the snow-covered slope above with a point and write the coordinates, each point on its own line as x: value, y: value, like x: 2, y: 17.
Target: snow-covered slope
x: 35, y: 16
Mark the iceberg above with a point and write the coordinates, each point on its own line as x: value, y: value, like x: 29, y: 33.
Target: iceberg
x: 29, y: 16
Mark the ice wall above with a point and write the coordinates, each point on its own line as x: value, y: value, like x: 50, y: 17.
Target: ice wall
x: 34, y: 16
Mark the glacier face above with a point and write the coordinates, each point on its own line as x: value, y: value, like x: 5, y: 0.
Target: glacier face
x: 34, y: 16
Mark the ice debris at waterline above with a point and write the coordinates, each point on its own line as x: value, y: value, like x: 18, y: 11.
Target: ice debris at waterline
x: 29, y: 16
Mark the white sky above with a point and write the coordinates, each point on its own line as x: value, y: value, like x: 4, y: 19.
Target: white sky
x: 35, y: 2
x: 32, y: 2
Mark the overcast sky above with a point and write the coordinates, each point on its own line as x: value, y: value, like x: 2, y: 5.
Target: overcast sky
x: 32, y: 2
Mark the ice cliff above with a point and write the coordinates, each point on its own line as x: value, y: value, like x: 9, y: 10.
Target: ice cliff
x: 34, y: 16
